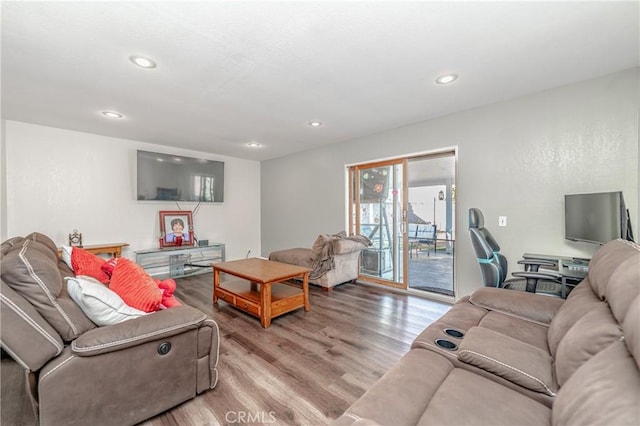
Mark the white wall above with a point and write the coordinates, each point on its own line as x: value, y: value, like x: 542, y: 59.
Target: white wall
x: 3, y: 183
x: 59, y: 180
x: 515, y: 158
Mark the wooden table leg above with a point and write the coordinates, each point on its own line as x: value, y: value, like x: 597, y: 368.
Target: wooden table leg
x: 305, y: 291
x: 265, y: 300
x: 216, y: 284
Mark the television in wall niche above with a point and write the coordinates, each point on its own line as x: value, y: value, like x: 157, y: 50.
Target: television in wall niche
x: 596, y: 218
x: 168, y: 177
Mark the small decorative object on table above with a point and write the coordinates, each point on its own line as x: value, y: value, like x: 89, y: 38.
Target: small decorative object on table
x: 176, y: 228
x: 75, y: 238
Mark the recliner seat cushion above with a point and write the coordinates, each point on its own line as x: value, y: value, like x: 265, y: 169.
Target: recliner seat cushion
x: 424, y: 388
x: 464, y: 398
x: 512, y: 359
x: 526, y: 331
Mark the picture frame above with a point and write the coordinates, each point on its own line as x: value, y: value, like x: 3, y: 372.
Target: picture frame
x: 176, y: 228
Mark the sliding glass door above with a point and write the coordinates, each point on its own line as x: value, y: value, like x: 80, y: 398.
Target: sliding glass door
x: 406, y: 207
x: 377, y: 207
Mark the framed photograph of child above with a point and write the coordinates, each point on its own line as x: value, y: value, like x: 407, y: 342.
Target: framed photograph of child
x: 176, y: 228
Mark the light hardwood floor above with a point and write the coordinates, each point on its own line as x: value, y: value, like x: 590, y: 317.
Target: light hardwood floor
x: 307, y: 368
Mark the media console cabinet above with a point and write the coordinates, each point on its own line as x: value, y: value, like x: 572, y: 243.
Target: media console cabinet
x: 183, y: 261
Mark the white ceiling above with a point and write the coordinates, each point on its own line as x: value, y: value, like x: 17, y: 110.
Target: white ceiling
x: 231, y: 72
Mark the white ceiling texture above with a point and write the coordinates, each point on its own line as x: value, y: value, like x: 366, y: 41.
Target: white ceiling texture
x: 232, y: 72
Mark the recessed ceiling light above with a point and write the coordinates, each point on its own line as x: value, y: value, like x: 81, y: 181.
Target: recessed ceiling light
x: 315, y: 123
x: 447, y: 78
x: 112, y: 114
x: 143, y: 62
x: 254, y: 145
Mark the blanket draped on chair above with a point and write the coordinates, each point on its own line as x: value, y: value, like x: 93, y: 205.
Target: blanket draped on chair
x: 327, y: 246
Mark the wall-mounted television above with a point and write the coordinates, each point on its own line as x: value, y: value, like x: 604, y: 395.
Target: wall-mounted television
x: 596, y: 218
x: 168, y: 177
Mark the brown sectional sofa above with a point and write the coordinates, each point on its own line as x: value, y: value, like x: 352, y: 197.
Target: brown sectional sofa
x: 523, y: 358
x: 80, y: 374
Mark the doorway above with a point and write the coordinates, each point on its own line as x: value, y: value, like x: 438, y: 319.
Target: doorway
x: 406, y: 207
x: 431, y: 212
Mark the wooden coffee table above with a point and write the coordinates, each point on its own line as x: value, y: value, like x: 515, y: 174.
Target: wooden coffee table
x: 259, y: 289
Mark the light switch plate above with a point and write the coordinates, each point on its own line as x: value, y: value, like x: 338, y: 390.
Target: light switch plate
x: 502, y: 221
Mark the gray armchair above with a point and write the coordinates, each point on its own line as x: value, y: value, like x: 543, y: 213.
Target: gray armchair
x: 494, y: 265
x: 333, y: 259
x: 78, y: 373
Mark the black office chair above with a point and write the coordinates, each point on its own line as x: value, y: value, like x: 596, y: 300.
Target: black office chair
x: 494, y: 265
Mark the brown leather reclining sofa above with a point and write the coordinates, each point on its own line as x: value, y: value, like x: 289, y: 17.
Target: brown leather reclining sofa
x: 80, y: 374
x: 505, y: 357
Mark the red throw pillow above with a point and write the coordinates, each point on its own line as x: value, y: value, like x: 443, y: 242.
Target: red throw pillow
x: 86, y: 263
x: 108, y: 266
x: 168, y: 287
x: 135, y: 286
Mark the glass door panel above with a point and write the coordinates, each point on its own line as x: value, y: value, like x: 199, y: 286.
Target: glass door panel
x: 431, y: 224
x: 379, y: 216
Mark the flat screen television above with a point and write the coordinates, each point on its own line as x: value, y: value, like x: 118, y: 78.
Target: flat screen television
x: 167, y: 177
x: 596, y: 218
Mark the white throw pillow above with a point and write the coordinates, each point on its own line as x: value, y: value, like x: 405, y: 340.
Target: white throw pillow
x: 66, y: 256
x: 102, y: 305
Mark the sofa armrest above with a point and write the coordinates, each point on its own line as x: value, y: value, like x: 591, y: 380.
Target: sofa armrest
x: 136, y: 331
x: 509, y: 358
x: 528, y: 306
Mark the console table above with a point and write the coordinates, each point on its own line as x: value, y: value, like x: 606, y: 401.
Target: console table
x: 571, y: 270
x: 181, y: 261
x: 112, y: 249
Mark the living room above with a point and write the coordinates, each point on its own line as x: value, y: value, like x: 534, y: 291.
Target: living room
x: 516, y: 157
x: 576, y: 137
x: 261, y: 213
